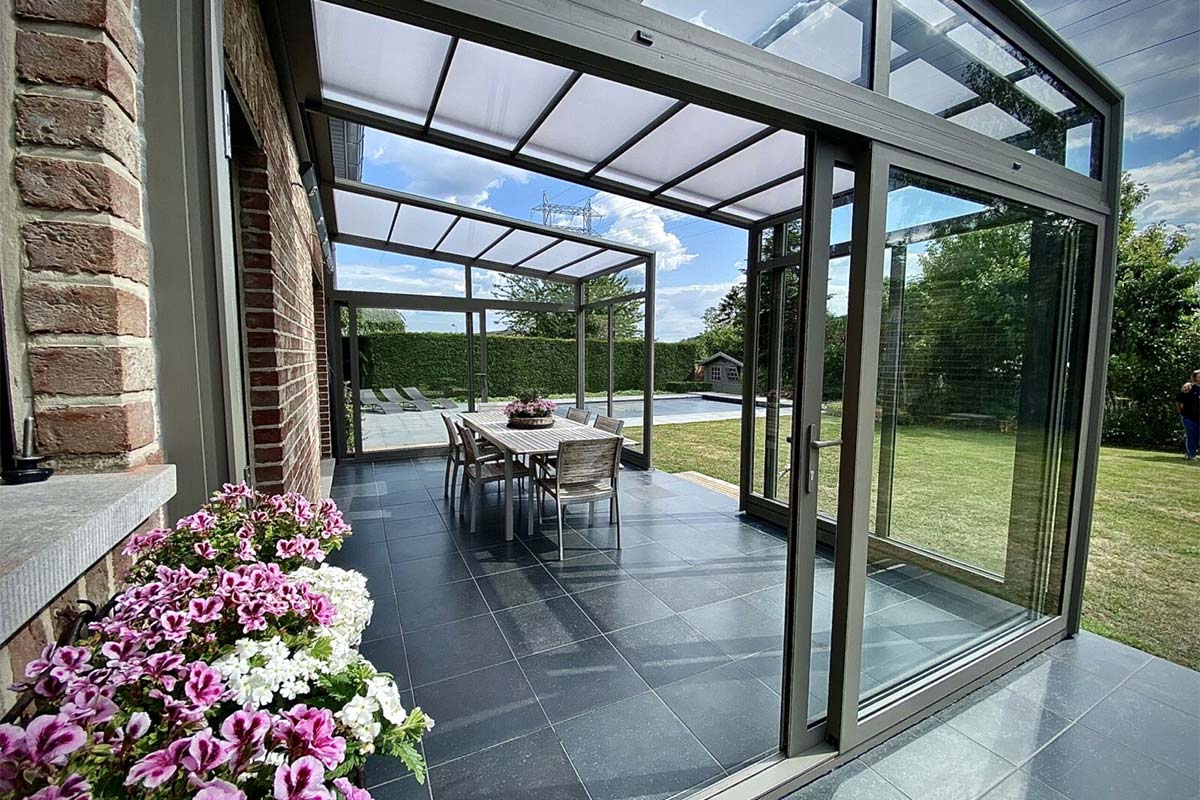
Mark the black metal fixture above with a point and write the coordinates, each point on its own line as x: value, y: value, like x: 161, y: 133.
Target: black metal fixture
x: 27, y: 464
x: 308, y: 176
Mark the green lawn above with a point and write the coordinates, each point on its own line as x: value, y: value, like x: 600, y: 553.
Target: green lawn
x: 953, y: 489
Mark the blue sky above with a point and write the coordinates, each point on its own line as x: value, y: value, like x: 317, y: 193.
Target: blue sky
x: 1149, y: 47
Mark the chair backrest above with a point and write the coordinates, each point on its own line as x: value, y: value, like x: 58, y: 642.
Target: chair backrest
x: 448, y: 421
x: 578, y: 414
x: 470, y: 449
x: 588, y: 461
x: 610, y: 424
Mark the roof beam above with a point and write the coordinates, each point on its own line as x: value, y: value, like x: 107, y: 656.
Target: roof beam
x: 687, y: 174
x: 538, y: 252
x: 545, y: 113
x: 646, y: 130
x: 441, y: 238
x: 441, y: 82
x: 762, y: 187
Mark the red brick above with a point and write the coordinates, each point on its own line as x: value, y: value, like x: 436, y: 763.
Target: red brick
x: 111, y: 16
x: 83, y: 247
x: 74, y: 122
x: 91, y: 370
x: 70, y: 61
x: 65, y: 308
x: 65, y: 185
x: 90, y: 430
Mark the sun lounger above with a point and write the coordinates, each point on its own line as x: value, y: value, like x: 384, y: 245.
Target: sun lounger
x: 369, y: 402
x: 419, y: 400
x: 446, y: 403
x: 396, y: 404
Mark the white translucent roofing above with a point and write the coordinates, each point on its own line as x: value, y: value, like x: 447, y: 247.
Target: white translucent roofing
x: 369, y: 216
x: 466, y: 94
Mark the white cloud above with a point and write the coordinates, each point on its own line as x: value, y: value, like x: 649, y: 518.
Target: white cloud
x: 401, y: 279
x: 1174, y: 194
x: 679, y: 309
x: 440, y: 172
x: 637, y: 223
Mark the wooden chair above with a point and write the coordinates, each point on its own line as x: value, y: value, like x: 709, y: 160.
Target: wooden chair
x: 455, y: 459
x: 579, y: 415
x: 609, y: 424
x: 586, y: 471
x: 480, y: 470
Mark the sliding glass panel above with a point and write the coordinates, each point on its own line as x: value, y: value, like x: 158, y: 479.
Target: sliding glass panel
x: 979, y: 400
x: 948, y: 63
x: 530, y: 350
x: 412, y: 366
x: 830, y: 37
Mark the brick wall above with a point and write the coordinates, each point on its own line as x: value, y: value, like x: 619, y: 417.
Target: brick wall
x: 84, y: 298
x: 281, y: 261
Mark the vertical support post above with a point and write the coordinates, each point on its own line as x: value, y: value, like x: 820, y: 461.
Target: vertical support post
x: 889, y: 387
x: 470, y: 329
x: 880, y: 50
x: 611, y: 341
x: 483, y: 357
x: 580, y: 348
x: 868, y: 235
x: 355, y: 380
x: 750, y: 366
x: 648, y: 386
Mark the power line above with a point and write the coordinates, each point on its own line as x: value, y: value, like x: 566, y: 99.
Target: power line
x: 1111, y: 21
x: 1159, y: 74
x: 1162, y: 105
x: 1148, y: 47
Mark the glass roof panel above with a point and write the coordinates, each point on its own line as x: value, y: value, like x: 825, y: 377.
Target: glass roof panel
x: 683, y: 141
x: 593, y: 120
x: 756, y: 165
x: 931, y: 12
x: 597, y: 263
x: 1045, y: 94
x: 470, y: 236
x: 828, y: 40
x: 921, y: 85
x: 420, y: 227
x: 784, y: 197
x: 985, y: 49
x: 562, y: 253
x: 363, y: 215
x: 494, y: 95
x: 361, y: 54
x: 516, y: 246
x: 990, y: 121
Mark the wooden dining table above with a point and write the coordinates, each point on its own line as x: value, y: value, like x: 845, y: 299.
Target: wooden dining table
x: 515, y: 443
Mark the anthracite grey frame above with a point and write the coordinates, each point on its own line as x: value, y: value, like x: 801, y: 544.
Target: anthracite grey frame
x: 696, y: 65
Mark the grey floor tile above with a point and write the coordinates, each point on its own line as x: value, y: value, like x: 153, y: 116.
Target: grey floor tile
x: 494, y: 558
x: 654, y: 759
x: 545, y: 625
x: 360, y: 556
x: 620, y: 605
x: 729, y: 710
x: 402, y: 789
x: 387, y: 655
x: 435, y: 654
x: 580, y: 676
x: 1008, y: 724
x: 416, y: 526
x: 941, y: 764
x: 1162, y: 732
x: 1084, y: 765
x: 397, y: 514
x: 932, y: 627
x: 1168, y: 683
x: 518, y: 587
x: 1023, y: 786
x: 649, y: 561
x: 1060, y: 687
x: 737, y: 627
x: 478, y: 710
x: 1110, y: 660
x: 385, y: 619
x: 533, y: 767
x: 854, y: 781
x: 545, y: 545
x: 407, y: 495
x: 418, y: 547
x: 667, y: 650
x: 425, y: 608
x: 605, y: 538
x: 590, y: 571
x: 426, y: 573
x: 687, y: 589
x: 772, y: 600
x: 749, y: 573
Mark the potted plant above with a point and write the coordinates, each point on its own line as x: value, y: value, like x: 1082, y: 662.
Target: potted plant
x: 531, y: 409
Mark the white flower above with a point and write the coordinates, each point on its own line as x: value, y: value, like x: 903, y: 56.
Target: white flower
x: 358, y: 715
x: 384, y: 692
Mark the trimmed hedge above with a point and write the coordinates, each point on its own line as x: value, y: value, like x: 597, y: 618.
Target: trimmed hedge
x: 437, y: 363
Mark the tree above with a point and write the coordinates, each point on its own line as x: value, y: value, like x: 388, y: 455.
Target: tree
x: 627, y: 317
x: 374, y: 320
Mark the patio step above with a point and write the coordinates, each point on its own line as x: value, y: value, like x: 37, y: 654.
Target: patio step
x: 708, y: 482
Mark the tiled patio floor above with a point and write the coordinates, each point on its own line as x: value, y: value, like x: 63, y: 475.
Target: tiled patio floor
x: 639, y: 673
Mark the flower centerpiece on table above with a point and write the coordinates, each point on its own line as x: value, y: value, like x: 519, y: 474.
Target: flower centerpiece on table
x: 530, y: 410
x: 228, y: 669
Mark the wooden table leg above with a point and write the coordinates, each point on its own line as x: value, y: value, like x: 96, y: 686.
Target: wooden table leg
x: 529, y: 500
x: 508, y: 496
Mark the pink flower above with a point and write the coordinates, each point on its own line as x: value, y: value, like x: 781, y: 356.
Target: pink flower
x: 350, y: 791
x: 245, y: 551
x: 203, y: 687
x: 92, y: 704
x: 204, y: 550
x: 158, y: 767
x: 67, y: 662
x: 138, y: 725
x: 308, y: 731
x: 246, y: 731
x: 220, y: 790
x: 163, y: 668
x: 205, y: 609
x: 145, y: 542
x: 205, y: 753
x: 200, y: 522
x: 303, y: 779
x: 252, y: 616
x: 49, y: 740
x: 73, y: 788
x: 174, y: 625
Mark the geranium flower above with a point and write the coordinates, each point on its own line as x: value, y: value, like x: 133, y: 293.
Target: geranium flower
x: 158, y: 767
x: 205, y: 550
x: 220, y: 790
x: 350, y: 791
x: 73, y: 788
x: 205, y: 753
x: 50, y: 739
x: 246, y: 731
x: 175, y: 625
x: 203, y: 687
x: 303, y: 779
x: 205, y: 609
x: 308, y: 731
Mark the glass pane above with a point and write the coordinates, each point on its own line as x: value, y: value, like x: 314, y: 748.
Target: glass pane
x: 978, y: 410
x: 952, y: 65
x: 829, y: 37
x: 368, y: 270
x: 420, y: 227
x: 361, y: 54
x: 516, y: 246
x: 529, y: 350
x: 361, y: 215
x: 470, y: 237
x: 621, y: 283
x: 683, y: 141
x: 775, y: 362
x: 787, y: 196
x: 412, y: 367
x: 593, y: 120
x: 596, y: 263
x: 494, y: 95
x: 562, y: 253
x: 754, y: 166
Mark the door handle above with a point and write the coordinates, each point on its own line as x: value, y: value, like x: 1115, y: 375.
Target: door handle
x: 815, y: 446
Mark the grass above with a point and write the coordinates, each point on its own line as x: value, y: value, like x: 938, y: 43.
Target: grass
x: 953, y: 489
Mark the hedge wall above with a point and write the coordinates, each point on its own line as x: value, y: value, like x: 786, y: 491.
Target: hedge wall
x: 437, y: 362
